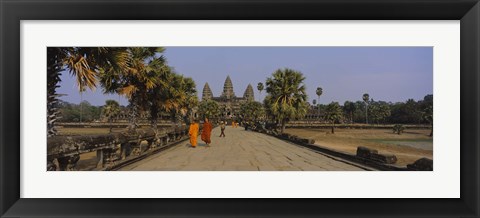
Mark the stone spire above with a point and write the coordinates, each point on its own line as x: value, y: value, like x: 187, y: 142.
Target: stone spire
x: 249, y: 93
x: 228, y: 89
x: 207, y: 92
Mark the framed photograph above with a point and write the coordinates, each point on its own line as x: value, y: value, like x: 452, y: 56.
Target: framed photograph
x: 239, y: 108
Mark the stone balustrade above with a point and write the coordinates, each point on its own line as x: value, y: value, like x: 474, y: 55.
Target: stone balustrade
x: 63, y: 152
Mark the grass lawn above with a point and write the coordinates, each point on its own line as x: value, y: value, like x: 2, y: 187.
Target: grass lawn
x: 410, y: 146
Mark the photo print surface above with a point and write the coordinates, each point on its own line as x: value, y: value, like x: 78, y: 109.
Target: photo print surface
x: 239, y: 108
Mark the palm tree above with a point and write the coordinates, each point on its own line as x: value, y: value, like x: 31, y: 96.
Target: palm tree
x: 260, y: 88
x: 111, y: 110
x: 190, y: 101
x: 85, y: 64
x: 81, y: 90
x: 366, y: 98
x: 286, y: 95
x: 180, y: 98
x: 319, y: 92
x: 142, y: 75
x: 333, y: 113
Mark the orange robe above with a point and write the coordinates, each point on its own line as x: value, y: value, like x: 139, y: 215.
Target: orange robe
x: 193, y: 133
x: 206, y: 132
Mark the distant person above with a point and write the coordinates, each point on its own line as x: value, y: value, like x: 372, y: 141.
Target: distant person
x: 193, y: 133
x: 222, y: 128
x: 207, y: 132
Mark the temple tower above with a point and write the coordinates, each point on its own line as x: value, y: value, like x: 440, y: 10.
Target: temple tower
x: 207, y: 92
x: 228, y: 89
x: 249, y: 95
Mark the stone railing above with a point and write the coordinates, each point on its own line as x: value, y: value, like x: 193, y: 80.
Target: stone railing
x: 161, y: 123
x: 114, y: 149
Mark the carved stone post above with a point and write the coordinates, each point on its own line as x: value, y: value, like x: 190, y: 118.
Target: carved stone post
x: 124, y: 148
x: 68, y: 163
x: 152, y: 144
x: 100, y: 158
x: 52, y: 164
x: 109, y: 156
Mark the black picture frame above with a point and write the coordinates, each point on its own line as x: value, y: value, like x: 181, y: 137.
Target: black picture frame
x: 13, y: 11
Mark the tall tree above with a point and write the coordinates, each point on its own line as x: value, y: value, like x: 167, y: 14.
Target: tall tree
x: 379, y: 111
x: 84, y: 63
x: 209, y: 109
x: 142, y: 75
x: 252, y: 110
x: 260, y: 88
x: 428, y: 116
x: 366, y: 99
x: 333, y: 114
x: 319, y: 92
x: 110, y: 111
x: 181, y: 98
x: 287, y: 95
x: 349, y: 108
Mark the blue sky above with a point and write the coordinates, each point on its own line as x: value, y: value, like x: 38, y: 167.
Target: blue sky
x: 345, y: 73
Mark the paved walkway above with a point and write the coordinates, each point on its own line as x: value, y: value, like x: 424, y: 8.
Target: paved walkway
x: 240, y: 150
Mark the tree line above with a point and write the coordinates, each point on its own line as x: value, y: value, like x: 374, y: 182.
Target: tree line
x: 141, y: 74
x: 287, y: 100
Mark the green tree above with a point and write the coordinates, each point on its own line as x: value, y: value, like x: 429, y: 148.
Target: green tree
x: 252, y: 111
x: 319, y: 92
x: 181, y: 98
x: 349, y: 108
x: 333, y: 114
x: 428, y: 116
x: 84, y: 63
x: 398, y: 128
x: 260, y: 88
x: 110, y: 111
x: 209, y: 108
x: 366, y: 99
x: 379, y: 111
x: 143, y: 74
x: 286, y: 95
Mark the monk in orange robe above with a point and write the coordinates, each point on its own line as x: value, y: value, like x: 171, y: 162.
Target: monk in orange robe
x: 207, y: 132
x: 193, y: 133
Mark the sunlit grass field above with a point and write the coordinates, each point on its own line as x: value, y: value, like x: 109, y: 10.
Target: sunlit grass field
x: 410, y: 146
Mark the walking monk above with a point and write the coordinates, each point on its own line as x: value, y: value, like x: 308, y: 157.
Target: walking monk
x: 222, y: 128
x: 193, y: 133
x: 207, y: 132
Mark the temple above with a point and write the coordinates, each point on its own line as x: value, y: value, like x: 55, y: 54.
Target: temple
x: 229, y: 103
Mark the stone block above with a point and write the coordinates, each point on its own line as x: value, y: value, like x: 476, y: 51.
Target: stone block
x: 422, y: 164
x: 306, y: 141
x: 384, y: 158
x: 365, y: 152
x: 285, y: 135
